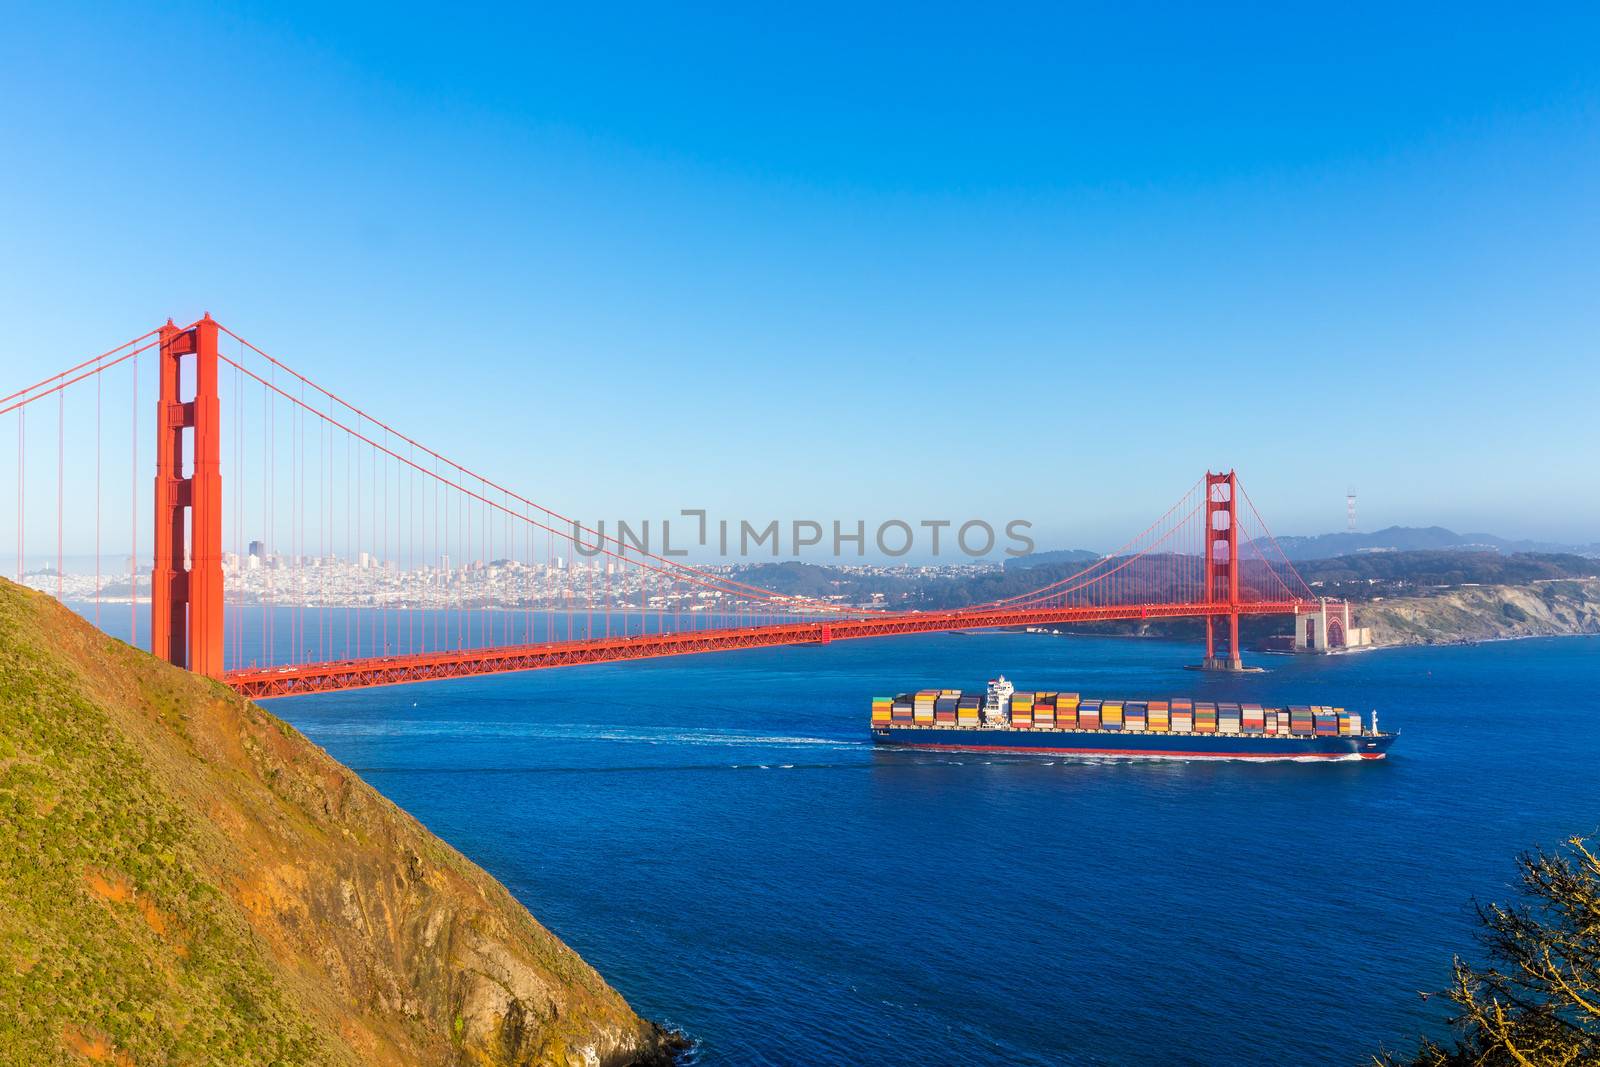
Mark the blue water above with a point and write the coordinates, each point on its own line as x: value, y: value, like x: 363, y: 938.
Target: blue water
x: 713, y: 835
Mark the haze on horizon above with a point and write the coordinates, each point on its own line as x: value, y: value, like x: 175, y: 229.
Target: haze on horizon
x: 1048, y: 265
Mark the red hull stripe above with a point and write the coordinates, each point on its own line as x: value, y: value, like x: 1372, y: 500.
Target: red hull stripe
x: 1030, y: 751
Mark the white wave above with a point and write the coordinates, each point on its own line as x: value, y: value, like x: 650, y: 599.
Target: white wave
x: 499, y: 730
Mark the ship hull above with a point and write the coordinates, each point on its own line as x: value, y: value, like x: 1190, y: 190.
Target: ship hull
x: 1134, y: 744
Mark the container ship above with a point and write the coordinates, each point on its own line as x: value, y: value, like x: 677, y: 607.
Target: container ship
x: 1005, y: 720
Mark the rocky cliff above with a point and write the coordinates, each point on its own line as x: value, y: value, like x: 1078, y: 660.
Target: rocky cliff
x: 1487, y: 612
x: 186, y: 879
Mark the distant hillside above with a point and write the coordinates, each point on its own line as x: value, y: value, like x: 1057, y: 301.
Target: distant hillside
x: 1417, y: 538
x: 794, y: 578
x: 1385, y: 573
x: 1050, y: 559
x: 184, y: 879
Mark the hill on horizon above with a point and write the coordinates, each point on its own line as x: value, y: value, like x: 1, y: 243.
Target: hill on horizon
x: 1344, y: 543
x: 1417, y: 539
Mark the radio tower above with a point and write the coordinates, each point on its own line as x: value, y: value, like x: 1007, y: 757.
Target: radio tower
x: 1350, y: 510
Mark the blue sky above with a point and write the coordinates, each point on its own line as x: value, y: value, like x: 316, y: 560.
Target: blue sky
x: 928, y: 262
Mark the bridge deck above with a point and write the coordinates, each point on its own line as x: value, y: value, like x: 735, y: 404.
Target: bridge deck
x: 434, y: 666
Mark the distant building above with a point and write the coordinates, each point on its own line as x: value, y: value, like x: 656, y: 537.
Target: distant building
x: 258, y: 550
x: 1325, y: 631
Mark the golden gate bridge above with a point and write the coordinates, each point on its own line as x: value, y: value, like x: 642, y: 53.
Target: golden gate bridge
x: 254, y: 463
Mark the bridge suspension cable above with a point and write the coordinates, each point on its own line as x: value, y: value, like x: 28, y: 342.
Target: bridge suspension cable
x: 303, y: 544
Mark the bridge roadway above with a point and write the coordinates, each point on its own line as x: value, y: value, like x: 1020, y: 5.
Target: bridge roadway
x: 306, y: 678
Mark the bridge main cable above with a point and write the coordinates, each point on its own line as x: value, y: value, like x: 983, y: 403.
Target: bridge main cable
x: 663, y: 565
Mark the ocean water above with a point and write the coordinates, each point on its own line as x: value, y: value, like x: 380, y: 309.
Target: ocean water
x: 715, y: 835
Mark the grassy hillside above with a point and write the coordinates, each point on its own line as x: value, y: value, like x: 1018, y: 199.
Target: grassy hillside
x: 185, y: 879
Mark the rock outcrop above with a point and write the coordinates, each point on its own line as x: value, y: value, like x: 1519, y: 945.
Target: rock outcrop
x: 1484, y: 613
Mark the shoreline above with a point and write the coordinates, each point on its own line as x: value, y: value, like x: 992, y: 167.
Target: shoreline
x: 1464, y: 641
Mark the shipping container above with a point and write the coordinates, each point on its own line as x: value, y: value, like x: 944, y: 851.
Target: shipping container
x: 1089, y: 715
x: 1252, y: 718
x: 1111, y: 715
x: 1135, y: 714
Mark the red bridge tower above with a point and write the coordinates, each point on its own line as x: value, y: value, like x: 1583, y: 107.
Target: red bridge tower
x: 1222, y: 567
x: 186, y: 582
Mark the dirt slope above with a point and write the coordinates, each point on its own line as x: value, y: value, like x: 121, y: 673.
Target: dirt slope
x: 186, y: 879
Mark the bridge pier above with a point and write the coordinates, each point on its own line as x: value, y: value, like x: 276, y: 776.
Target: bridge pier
x: 1230, y: 662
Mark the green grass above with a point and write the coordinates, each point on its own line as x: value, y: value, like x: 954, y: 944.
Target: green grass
x: 185, y: 879
x: 77, y: 800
